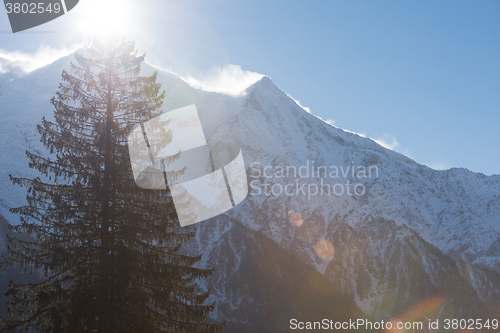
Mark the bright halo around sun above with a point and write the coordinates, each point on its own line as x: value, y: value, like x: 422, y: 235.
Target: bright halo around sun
x: 104, y: 19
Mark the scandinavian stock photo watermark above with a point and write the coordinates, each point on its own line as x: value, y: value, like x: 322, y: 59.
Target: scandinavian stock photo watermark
x: 310, y: 179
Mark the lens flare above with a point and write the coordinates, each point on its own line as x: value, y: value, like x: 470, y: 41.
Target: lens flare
x: 324, y: 249
x: 416, y: 313
x: 296, y: 219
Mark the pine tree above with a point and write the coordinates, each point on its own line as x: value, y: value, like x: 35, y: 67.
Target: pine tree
x: 108, y: 252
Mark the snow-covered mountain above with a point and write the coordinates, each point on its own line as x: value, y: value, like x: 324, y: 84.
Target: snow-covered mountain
x: 399, y: 234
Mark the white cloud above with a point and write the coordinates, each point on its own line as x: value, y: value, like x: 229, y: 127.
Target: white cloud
x: 230, y: 80
x: 19, y: 63
x: 388, y: 141
x: 330, y: 121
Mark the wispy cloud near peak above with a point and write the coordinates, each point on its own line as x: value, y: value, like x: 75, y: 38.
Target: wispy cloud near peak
x: 230, y: 79
x: 388, y: 141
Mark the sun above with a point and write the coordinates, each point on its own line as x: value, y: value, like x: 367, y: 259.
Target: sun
x: 104, y: 19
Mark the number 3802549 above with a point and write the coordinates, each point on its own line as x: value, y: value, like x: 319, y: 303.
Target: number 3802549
x: 32, y: 8
x: 470, y: 324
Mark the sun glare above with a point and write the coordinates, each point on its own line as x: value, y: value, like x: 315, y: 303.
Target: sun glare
x: 104, y: 19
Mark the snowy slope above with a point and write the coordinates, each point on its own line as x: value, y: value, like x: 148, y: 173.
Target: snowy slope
x: 23, y: 103
x: 456, y: 210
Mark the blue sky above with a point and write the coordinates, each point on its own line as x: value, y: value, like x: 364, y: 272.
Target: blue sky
x: 421, y: 76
